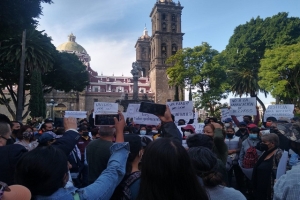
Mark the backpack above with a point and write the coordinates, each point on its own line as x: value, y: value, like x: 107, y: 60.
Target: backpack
x: 250, y: 157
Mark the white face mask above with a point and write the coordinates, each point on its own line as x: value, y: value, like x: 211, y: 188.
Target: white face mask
x: 154, y: 131
x: 187, y: 133
x: 142, y: 132
x: 226, y: 124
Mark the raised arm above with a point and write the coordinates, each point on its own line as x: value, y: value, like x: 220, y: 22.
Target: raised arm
x: 257, y: 117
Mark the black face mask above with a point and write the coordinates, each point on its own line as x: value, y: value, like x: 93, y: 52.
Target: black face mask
x: 85, y: 134
x: 263, y: 147
x: 14, y: 132
x: 230, y: 136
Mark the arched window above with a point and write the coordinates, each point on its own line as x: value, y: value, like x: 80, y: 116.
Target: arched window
x: 173, y: 28
x: 164, y: 50
x: 164, y: 16
x: 173, y: 17
x: 164, y: 26
x: 174, y: 49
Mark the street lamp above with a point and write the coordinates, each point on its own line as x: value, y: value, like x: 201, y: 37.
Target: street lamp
x: 52, y: 103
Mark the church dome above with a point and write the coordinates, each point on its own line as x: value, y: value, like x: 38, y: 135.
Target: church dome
x: 71, y: 45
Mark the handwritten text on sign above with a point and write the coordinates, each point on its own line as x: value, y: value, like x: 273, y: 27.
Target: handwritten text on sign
x: 181, y: 110
x: 141, y: 118
x: 243, y: 106
x: 279, y: 111
x: 75, y: 114
x: 105, y: 108
x: 225, y: 113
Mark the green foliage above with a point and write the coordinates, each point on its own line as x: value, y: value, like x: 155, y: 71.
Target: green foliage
x: 37, y: 105
x: 200, y: 67
x: 280, y: 73
x: 68, y: 73
x: 247, y: 47
x: 17, y: 15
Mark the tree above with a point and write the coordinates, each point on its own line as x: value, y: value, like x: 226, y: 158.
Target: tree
x: 17, y: 15
x: 280, y: 73
x: 247, y: 46
x: 68, y: 73
x: 37, y: 105
x: 199, y: 67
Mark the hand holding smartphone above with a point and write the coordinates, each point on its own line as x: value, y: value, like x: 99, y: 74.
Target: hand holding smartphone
x: 153, y: 108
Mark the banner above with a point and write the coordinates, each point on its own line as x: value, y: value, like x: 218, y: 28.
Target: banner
x: 141, y: 118
x: 105, y: 108
x: 279, y: 111
x: 242, y: 106
x: 75, y: 114
x: 182, y: 110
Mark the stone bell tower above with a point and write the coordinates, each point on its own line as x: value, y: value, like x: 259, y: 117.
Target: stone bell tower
x: 166, y: 39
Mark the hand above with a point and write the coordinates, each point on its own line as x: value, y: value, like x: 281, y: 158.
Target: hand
x: 216, y: 125
x: 119, y: 125
x: 167, y: 116
x: 70, y: 123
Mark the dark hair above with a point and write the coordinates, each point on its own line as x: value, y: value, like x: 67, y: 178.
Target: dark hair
x: 197, y: 140
x: 231, y: 129
x: 135, y: 146
x: 248, y: 116
x: 214, y: 119
x: 255, y: 130
x: 4, y: 118
x: 44, y: 124
x: 167, y: 173
x: 60, y: 131
x: 94, y: 131
x: 127, y: 129
x: 42, y: 170
x: 22, y: 130
x: 12, y: 123
x: 205, y: 162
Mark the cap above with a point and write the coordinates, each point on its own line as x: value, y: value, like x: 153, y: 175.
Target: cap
x: 189, y: 127
x: 45, y: 137
x: 251, y: 126
x: 273, y: 119
x: 227, y: 120
x: 16, y: 192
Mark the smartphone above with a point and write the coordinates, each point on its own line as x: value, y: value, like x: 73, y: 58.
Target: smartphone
x: 105, y: 119
x: 153, y: 108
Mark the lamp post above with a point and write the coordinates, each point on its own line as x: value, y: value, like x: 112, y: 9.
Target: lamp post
x: 52, y: 103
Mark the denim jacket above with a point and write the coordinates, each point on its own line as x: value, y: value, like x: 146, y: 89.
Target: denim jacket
x: 106, y: 183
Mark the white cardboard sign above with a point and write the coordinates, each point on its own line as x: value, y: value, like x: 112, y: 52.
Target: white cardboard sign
x: 75, y: 114
x: 199, y: 127
x: 280, y: 111
x: 141, y: 118
x: 105, y: 108
x: 181, y: 110
x: 225, y: 113
x: 243, y: 106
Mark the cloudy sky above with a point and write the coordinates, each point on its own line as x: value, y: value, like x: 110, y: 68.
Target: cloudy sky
x: 109, y: 29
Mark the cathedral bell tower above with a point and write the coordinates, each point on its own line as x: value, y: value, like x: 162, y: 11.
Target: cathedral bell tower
x: 166, y: 39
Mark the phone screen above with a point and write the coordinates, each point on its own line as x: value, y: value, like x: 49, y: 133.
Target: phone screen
x: 105, y: 120
x: 152, y: 108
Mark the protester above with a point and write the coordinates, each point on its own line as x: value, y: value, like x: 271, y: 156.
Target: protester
x: 205, y: 162
x: 264, y: 172
x: 129, y: 187
x: 187, y: 130
x: 98, y: 153
x: 46, y: 139
x: 44, y: 172
x: 214, y: 130
x: 95, y: 133
x: 15, y: 127
x: 26, y: 138
x: 9, y: 154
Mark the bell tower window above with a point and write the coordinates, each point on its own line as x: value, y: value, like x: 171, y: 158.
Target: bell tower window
x: 164, y: 26
x: 164, y: 50
x: 174, y: 49
x: 173, y: 18
x: 164, y: 16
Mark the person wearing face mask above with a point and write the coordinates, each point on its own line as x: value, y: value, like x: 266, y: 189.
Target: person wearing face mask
x: 82, y: 143
x: 26, y: 139
x: 247, y: 118
x: 187, y: 130
x: 264, y: 172
x: 143, y: 130
x: 15, y: 127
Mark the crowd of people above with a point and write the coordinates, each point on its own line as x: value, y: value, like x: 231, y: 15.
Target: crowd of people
x: 230, y: 159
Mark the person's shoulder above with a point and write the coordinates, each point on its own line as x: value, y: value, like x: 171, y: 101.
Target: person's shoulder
x: 229, y: 192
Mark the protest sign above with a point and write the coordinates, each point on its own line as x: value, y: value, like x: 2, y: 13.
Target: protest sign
x: 279, y: 111
x: 181, y: 110
x: 242, y: 106
x: 75, y: 114
x: 225, y: 114
x: 199, y: 127
x: 105, y: 108
x: 139, y: 117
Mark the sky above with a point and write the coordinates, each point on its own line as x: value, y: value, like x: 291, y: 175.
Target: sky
x: 109, y: 29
